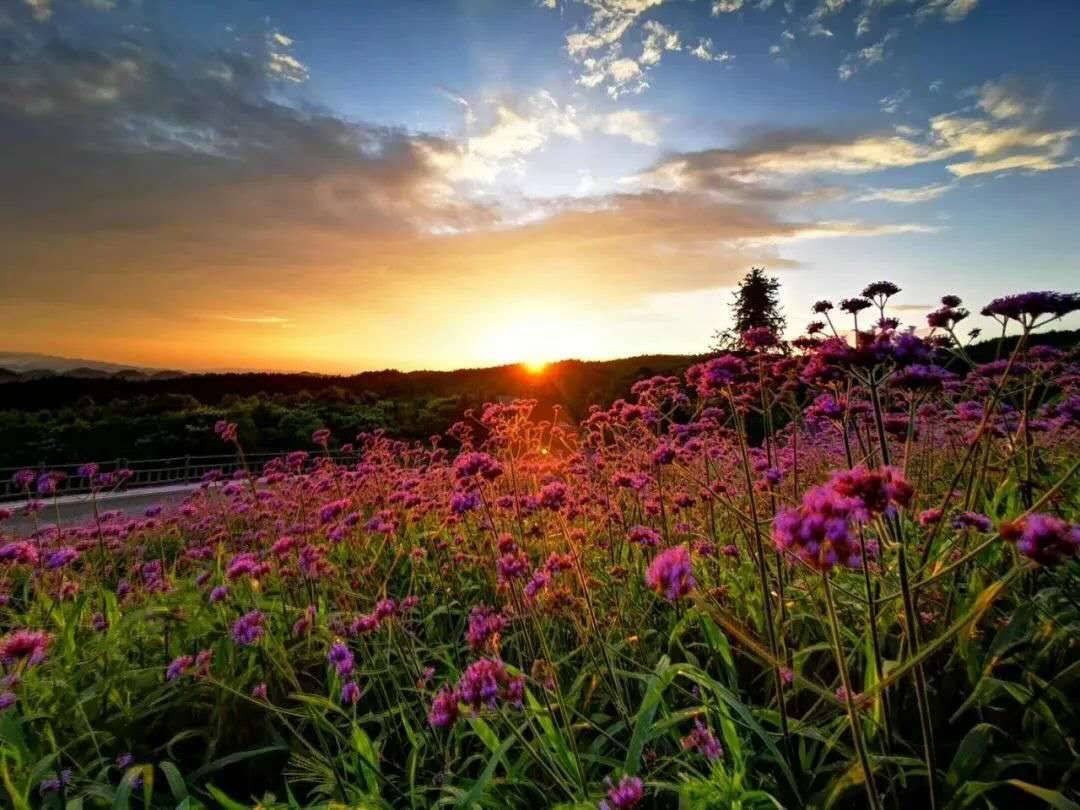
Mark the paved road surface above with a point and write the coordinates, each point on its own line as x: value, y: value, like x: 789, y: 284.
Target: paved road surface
x: 78, y: 508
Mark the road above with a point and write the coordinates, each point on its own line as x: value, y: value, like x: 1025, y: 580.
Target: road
x: 76, y: 509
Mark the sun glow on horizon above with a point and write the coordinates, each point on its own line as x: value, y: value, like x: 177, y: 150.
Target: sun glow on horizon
x: 539, y: 336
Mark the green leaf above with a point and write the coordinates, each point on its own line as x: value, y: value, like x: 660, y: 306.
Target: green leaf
x: 969, y: 754
x: 1052, y: 797
x: 223, y: 799
x: 657, y: 683
x: 481, y: 783
x: 176, y: 781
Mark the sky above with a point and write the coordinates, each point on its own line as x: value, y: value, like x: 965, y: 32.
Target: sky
x: 340, y: 186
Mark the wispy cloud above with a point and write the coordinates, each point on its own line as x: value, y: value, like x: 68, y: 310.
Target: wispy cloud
x: 905, y: 196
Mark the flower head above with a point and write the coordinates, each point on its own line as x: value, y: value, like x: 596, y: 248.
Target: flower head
x: 625, y: 795
x: 670, y: 573
x: 1046, y: 539
x: 25, y: 645
x: 249, y: 628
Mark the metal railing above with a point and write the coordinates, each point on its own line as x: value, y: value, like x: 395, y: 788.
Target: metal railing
x: 145, y: 473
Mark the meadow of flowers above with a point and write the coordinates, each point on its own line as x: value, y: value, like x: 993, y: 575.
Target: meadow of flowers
x: 837, y: 572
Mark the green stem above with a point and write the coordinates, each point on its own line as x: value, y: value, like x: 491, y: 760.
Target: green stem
x: 872, y: 795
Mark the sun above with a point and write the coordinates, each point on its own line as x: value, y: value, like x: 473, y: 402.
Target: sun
x: 535, y: 367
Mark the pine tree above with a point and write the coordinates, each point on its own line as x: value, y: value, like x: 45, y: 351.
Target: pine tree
x: 755, y: 303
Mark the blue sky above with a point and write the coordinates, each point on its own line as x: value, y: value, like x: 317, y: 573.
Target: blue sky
x: 344, y: 185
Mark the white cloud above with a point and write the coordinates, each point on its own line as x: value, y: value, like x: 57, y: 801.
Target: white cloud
x: 280, y: 62
x: 658, y: 38
x: 967, y: 145
x: 950, y: 10
x: 633, y: 125
x: 936, y: 86
x: 726, y: 7
x: 904, y: 196
x: 1004, y: 100
x: 704, y: 51
x: 609, y: 20
x: 891, y: 104
x: 870, y: 55
x: 517, y: 128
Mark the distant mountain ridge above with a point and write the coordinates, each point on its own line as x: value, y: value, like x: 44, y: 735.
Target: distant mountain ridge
x: 22, y: 366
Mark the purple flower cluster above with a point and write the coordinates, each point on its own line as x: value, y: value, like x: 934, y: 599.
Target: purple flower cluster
x: 703, y: 741
x: 625, y: 795
x: 670, y: 573
x: 820, y: 531
x: 249, y: 628
x: 484, y: 684
x: 485, y: 625
x: 25, y: 645
x: 1045, y: 539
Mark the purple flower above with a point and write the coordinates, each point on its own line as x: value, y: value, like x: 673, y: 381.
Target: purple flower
x: 7, y: 700
x: 249, y: 628
x: 23, y: 479
x: 1026, y: 307
x: 329, y: 511
x: 485, y: 623
x: 553, y: 495
x: 226, y: 430
x: 29, y: 645
x: 259, y: 691
x: 628, y: 793
x: 462, y: 502
x: 342, y: 659
x: 470, y: 466
x: 54, y: 783
x: 217, y: 594
x: 972, y: 520
x: 350, y: 693
x: 19, y: 551
x: 444, y: 709
x: 486, y: 682
x: 1046, y: 539
x: 702, y: 740
x: 670, y: 573
x: 178, y: 667
x: 645, y: 536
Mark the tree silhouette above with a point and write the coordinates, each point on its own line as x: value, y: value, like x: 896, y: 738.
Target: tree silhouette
x: 755, y: 303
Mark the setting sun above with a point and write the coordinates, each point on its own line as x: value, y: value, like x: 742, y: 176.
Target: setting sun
x: 535, y: 366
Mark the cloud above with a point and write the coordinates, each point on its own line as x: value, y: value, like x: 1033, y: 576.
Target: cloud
x: 726, y: 7
x: 949, y: 10
x: 658, y: 38
x: 704, y: 51
x: 1005, y: 99
x: 634, y: 125
x: 865, y: 57
x: 514, y: 128
x: 770, y: 163
x: 891, y: 104
x: 904, y: 196
x: 608, y: 21
x: 281, y: 62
